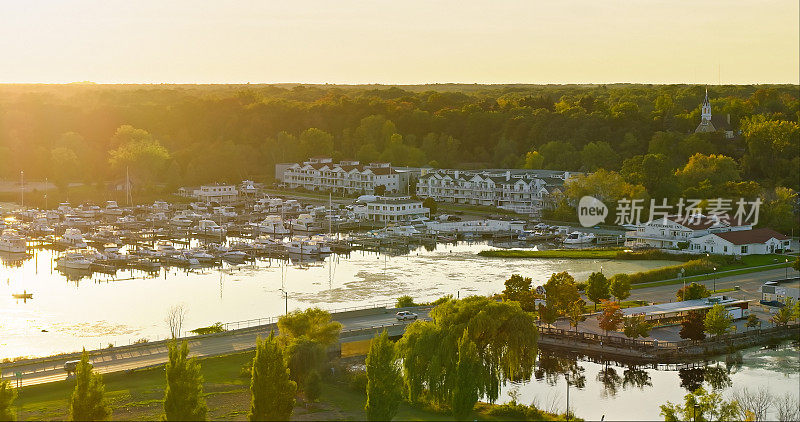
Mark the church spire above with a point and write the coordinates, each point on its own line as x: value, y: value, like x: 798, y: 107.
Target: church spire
x: 705, y: 114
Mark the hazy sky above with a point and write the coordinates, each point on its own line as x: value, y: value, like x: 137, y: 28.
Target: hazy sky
x: 400, y: 41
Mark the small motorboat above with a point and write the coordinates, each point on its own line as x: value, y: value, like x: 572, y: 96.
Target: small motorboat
x: 23, y: 295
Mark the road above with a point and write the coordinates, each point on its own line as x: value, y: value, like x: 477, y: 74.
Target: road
x: 748, y: 284
x: 142, y: 356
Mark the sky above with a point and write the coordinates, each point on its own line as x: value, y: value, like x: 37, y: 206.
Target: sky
x: 400, y: 42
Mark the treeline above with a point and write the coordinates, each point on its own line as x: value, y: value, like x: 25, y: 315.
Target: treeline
x: 232, y: 132
x: 641, y: 135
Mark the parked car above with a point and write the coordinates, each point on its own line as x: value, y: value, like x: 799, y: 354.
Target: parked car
x: 406, y: 315
x: 71, y: 366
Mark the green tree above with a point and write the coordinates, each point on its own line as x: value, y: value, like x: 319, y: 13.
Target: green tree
x: 752, y: 321
x: 271, y: 390
x: 597, y: 288
x: 561, y: 291
x: 316, y: 142
x: 7, y: 397
x: 313, y: 386
x: 88, y: 402
x: 713, y: 170
x: 465, y: 385
x: 64, y: 166
x: 575, y: 313
x: 620, y: 286
x: 718, y: 320
x: 430, y: 204
x: 183, y: 397
x: 518, y: 289
x: 692, y: 291
x: 611, y: 317
x: 533, y: 160
x: 701, y: 406
x: 405, y: 301
x: 304, y: 356
x: 636, y: 326
x: 547, y: 314
x: 138, y: 152
x: 384, y: 383
x: 785, y: 313
x: 599, y: 155
x: 693, y: 326
x: 313, y: 323
x: 505, y: 337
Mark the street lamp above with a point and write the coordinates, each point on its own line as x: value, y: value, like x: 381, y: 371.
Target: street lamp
x: 286, y: 303
x: 684, y: 280
x: 566, y: 377
x: 715, y: 279
x: 786, y: 268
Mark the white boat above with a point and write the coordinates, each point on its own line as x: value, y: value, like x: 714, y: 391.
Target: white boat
x: 579, y: 238
x: 12, y: 242
x: 112, y: 209
x: 304, y: 223
x: 165, y: 249
x: 160, y: 206
x: 200, y: 255
x: 65, y: 208
x: 210, y: 228
x: 72, y: 238
x: 88, y: 211
x: 404, y: 231
x: 227, y: 212
x: 180, y: 221
x: 302, y: 247
x: 74, y: 261
x: 234, y: 255
x: 272, y: 224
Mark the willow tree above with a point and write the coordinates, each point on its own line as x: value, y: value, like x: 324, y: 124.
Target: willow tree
x: 465, y: 387
x: 503, y: 334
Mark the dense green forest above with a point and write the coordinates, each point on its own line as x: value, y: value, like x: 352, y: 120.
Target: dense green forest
x: 643, y: 135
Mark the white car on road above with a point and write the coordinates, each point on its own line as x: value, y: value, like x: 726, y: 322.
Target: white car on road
x: 406, y: 315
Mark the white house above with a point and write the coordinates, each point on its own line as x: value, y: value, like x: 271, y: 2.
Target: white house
x: 524, y: 193
x: 395, y: 209
x: 741, y: 242
x: 216, y: 193
x: 348, y: 177
x: 674, y: 232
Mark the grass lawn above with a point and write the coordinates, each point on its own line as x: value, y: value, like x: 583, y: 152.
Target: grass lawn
x: 138, y: 395
x: 610, y: 253
x: 708, y: 276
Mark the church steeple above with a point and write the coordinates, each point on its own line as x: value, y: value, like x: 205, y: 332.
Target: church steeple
x: 705, y: 114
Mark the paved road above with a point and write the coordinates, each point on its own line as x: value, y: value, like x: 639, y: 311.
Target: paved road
x: 748, y: 283
x: 127, y: 358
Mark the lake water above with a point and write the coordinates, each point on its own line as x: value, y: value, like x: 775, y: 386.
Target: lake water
x: 623, y: 393
x: 68, y: 313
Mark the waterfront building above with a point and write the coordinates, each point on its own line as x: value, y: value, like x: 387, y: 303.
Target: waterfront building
x: 773, y: 292
x: 520, y: 191
x: 399, y: 209
x: 741, y: 242
x: 345, y: 177
x: 675, y: 311
x: 212, y: 193
x: 677, y: 232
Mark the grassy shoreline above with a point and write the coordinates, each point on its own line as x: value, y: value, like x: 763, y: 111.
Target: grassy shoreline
x: 139, y: 394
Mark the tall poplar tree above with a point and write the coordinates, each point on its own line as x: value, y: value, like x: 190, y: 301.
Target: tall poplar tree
x: 271, y: 390
x: 183, y: 398
x: 7, y: 396
x: 384, y: 383
x: 88, y: 402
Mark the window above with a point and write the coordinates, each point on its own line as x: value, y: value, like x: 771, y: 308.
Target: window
x: 744, y: 249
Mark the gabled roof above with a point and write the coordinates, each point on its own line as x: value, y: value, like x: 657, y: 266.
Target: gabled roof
x: 749, y: 237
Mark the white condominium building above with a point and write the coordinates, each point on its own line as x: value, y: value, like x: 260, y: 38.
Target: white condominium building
x: 396, y: 209
x: 348, y: 177
x: 521, y: 191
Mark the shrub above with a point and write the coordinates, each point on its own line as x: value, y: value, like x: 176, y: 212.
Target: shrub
x: 358, y: 381
x: 216, y: 328
x: 405, y: 302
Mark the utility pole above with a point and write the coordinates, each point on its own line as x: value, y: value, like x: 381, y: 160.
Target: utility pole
x: 286, y: 303
x: 566, y: 377
x: 22, y: 188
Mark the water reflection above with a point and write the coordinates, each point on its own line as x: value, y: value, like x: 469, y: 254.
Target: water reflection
x: 626, y: 392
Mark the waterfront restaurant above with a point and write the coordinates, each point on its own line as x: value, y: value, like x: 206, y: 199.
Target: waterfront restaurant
x: 673, y: 312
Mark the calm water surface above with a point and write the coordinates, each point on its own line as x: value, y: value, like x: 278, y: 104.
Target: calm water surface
x: 82, y: 310
x: 625, y: 393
